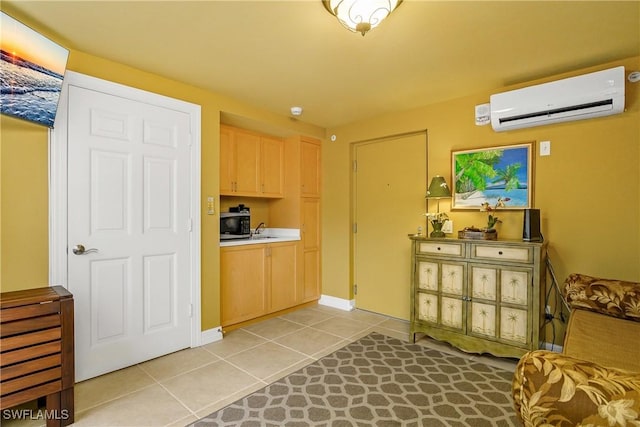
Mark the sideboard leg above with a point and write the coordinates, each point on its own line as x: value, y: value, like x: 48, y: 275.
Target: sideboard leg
x: 53, y: 413
x: 59, y: 409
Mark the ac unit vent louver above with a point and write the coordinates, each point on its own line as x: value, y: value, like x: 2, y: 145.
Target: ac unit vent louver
x: 576, y: 98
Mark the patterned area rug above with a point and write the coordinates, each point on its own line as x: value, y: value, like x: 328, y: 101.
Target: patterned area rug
x: 379, y: 381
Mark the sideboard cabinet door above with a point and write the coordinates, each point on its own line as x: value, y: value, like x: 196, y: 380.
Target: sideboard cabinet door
x: 482, y: 297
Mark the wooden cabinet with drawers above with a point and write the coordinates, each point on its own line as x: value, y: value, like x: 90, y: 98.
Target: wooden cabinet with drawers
x: 480, y: 296
x: 37, y: 351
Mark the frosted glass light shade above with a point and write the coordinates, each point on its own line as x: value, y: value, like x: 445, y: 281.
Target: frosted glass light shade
x: 361, y: 15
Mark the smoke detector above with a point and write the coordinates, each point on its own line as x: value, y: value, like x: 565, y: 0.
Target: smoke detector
x: 296, y: 111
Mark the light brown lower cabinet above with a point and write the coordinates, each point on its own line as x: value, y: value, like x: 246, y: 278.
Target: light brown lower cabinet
x: 281, y: 289
x: 256, y: 280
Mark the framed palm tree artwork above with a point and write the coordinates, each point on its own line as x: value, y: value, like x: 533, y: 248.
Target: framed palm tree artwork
x: 494, y: 176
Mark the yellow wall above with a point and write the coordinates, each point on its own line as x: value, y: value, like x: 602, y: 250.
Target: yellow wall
x: 588, y: 190
x: 24, y: 199
x: 24, y: 195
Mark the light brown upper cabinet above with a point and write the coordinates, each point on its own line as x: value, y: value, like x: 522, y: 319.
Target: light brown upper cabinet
x: 272, y: 155
x: 310, y: 168
x: 250, y: 164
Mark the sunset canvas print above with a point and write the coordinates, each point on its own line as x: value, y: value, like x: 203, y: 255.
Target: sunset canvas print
x: 31, y: 72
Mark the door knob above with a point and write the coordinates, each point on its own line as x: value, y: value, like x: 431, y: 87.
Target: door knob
x: 80, y: 250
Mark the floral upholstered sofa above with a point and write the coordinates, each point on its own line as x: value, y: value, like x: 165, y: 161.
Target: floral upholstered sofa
x: 595, y: 381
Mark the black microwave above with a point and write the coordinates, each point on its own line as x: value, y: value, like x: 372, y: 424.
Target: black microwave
x: 235, y: 225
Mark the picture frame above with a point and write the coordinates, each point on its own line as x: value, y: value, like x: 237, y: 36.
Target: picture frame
x: 485, y: 175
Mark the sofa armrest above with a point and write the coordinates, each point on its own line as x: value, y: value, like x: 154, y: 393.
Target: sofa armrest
x: 616, y: 298
x: 553, y: 389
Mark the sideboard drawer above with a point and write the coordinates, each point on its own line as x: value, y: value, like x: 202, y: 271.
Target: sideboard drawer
x: 503, y: 253
x: 441, y: 248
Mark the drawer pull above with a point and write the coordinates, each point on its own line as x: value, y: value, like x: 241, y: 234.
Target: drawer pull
x: 438, y: 247
x: 500, y: 253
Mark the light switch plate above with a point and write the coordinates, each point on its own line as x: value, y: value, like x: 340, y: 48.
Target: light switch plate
x: 545, y: 148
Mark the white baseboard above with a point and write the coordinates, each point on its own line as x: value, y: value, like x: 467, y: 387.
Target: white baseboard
x: 211, y: 335
x: 339, y: 303
x: 215, y: 334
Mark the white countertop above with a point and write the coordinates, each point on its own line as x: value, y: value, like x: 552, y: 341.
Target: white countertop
x: 266, y: 235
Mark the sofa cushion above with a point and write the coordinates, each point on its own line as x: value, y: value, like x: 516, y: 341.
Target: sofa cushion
x: 612, y: 297
x: 605, y: 340
x: 552, y: 389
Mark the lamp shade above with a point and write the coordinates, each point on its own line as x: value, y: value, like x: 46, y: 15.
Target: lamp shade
x: 360, y: 15
x: 438, y: 188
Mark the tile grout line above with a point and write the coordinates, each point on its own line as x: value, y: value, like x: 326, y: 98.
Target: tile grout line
x: 129, y: 393
x: 369, y: 326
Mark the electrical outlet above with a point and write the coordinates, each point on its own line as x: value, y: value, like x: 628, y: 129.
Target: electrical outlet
x: 447, y: 227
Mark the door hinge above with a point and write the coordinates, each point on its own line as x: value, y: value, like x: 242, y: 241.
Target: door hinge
x: 355, y: 289
x: 355, y: 227
x: 355, y: 166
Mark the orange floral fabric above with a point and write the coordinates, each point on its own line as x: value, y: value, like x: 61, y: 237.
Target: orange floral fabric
x: 611, y: 297
x: 551, y: 389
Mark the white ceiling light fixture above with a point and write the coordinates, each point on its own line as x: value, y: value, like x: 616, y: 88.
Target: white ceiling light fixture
x: 361, y: 15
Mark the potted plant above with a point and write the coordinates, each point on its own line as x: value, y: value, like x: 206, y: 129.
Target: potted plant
x: 492, y: 219
x: 437, y: 221
x: 489, y: 232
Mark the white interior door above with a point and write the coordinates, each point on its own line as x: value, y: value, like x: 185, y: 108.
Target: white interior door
x: 129, y: 198
x: 390, y: 187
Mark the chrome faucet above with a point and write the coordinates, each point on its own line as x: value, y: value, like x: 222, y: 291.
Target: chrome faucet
x: 257, y: 230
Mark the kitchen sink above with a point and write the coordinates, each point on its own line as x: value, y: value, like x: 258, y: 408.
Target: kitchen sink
x: 261, y: 237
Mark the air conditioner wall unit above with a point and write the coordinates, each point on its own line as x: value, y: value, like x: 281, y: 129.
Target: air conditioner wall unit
x: 575, y: 98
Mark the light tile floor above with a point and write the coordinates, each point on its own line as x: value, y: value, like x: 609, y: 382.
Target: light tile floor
x: 182, y: 387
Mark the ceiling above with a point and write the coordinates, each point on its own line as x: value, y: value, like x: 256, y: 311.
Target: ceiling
x: 277, y: 54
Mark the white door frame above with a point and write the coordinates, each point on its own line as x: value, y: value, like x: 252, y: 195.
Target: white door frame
x: 58, y: 182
